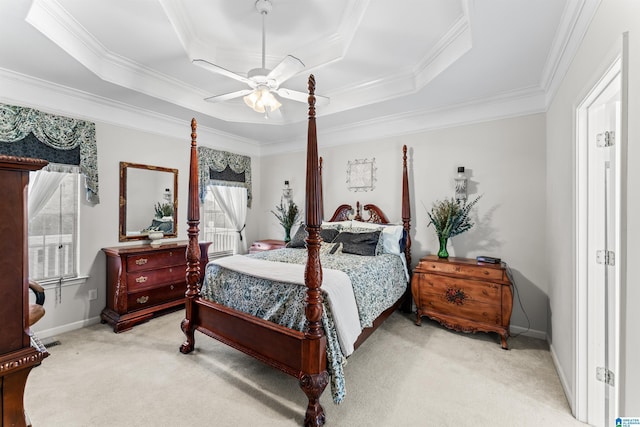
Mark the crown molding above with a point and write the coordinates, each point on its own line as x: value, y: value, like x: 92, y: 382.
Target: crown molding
x: 507, y: 105
x: 19, y: 89
x: 575, y: 21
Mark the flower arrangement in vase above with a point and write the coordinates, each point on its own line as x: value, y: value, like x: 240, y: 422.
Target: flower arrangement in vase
x: 450, y: 217
x: 287, y: 214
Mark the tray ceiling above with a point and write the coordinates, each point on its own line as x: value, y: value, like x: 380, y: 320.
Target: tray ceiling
x: 398, y: 63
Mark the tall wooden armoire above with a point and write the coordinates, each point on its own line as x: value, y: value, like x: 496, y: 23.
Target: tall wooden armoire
x: 17, y: 356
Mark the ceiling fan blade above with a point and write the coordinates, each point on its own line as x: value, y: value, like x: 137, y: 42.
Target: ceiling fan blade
x: 301, y: 96
x: 275, y: 116
x: 287, y: 68
x: 227, y: 96
x: 219, y: 70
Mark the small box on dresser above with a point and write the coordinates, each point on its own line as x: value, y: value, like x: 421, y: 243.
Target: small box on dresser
x: 464, y: 295
x: 146, y: 280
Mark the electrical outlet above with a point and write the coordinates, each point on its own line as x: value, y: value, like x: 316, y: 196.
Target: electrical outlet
x: 93, y: 294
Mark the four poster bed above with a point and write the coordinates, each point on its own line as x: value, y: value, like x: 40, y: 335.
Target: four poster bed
x: 284, y: 313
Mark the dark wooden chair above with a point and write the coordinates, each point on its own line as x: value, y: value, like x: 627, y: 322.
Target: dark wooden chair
x: 36, y: 311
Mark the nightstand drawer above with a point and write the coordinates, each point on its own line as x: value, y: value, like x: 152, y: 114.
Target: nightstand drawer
x: 462, y: 308
x: 486, y: 272
x: 470, y: 290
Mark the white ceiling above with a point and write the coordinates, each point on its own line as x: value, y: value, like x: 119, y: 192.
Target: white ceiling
x: 388, y: 67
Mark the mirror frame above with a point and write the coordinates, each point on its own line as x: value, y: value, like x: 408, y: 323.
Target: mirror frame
x: 124, y: 166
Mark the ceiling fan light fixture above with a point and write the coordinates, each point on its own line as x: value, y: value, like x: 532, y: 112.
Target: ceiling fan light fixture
x: 262, y: 99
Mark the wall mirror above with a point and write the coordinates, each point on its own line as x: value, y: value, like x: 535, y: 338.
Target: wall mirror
x: 148, y: 202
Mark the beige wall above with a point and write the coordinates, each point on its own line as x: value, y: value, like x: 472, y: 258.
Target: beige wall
x: 505, y: 162
x: 595, y: 54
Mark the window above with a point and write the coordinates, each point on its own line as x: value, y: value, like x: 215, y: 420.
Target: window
x: 53, y: 229
x: 217, y: 228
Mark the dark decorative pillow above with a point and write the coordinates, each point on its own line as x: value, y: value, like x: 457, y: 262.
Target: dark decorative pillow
x: 327, y: 234
x: 403, y: 241
x: 297, y: 241
x: 359, y: 243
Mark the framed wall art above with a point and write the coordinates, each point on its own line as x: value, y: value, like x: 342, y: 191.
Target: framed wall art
x: 361, y: 174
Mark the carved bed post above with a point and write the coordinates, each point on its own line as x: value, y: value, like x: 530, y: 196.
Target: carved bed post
x: 193, y: 248
x: 406, y: 221
x: 314, y: 376
x: 321, y: 193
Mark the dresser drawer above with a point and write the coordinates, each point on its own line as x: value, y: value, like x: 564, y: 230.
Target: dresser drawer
x: 466, y: 309
x: 150, y: 297
x: 484, y: 272
x: 470, y: 290
x: 150, y: 261
x: 154, y: 278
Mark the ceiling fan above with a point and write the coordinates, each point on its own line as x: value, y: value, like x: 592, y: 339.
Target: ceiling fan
x: 263, y: 82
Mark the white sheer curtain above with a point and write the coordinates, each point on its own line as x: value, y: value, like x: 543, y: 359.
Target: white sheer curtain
x: 233, y: 202
x: 42, y: 185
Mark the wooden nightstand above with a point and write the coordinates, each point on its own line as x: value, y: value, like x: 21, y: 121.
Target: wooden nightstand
x: 463, y: 294
x: 266, y: 245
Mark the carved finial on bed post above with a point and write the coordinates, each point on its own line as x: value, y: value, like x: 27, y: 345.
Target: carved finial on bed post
x: 193, y: 248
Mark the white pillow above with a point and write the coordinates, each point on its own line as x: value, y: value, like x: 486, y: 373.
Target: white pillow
x: 390, y: 236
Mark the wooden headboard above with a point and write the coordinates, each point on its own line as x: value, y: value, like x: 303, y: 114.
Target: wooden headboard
x: 375, y: 214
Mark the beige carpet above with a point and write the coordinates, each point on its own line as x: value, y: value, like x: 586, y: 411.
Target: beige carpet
x: 403, y: 375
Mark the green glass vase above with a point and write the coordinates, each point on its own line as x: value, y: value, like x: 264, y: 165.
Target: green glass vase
x: 287, y: 235
x: 442, y: 252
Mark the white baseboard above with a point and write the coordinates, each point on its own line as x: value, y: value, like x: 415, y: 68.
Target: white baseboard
x: 563, y: 380
x: 48, y: 333
x: 533, y: 333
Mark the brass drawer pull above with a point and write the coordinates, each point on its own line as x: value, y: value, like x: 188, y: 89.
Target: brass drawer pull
x: 141, y: 261
x: 142, y: 300
x: 171, y: 287
x: 141, y: 279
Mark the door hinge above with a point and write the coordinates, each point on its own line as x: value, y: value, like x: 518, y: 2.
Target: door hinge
x: 606, y: 257
x: 605, y: 375
x: 606, y: 139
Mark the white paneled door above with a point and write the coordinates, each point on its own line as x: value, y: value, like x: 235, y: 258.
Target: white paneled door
x: 599, y: 196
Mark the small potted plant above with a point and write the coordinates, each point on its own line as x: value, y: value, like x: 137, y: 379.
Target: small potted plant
x: 163, y: 210
x: 450, y: 217
x: 287, y: 214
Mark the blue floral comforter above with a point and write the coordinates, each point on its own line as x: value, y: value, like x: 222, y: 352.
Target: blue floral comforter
x: 377, y: 281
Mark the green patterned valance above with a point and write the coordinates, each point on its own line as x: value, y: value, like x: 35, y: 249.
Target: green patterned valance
x: 26, y: 132
x: 224, y: 168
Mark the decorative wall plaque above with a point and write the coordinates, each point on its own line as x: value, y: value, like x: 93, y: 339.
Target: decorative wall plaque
x: 361, y: 174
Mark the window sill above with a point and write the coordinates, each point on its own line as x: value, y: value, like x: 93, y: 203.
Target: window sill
x: 71, y: 281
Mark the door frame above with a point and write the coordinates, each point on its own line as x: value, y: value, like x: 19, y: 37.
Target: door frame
x: 616, y: 64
